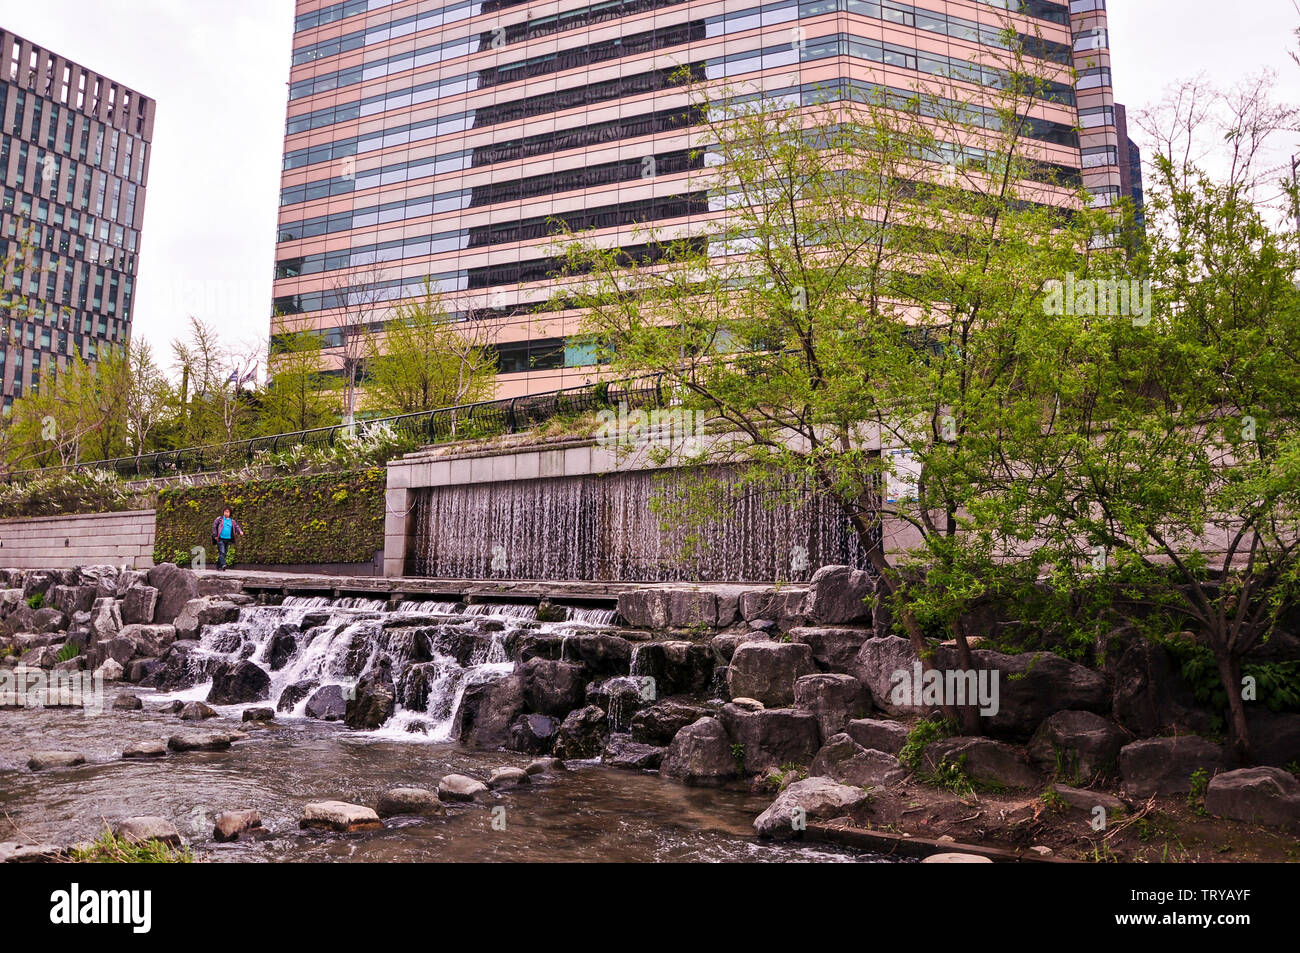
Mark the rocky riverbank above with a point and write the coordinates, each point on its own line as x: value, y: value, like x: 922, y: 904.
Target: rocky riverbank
x: 788, y: 691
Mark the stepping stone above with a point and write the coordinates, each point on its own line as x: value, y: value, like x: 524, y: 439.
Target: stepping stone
x: 138, y: 830
x: 339, y: 816
x: 408, y: 801
x: 231, y: 824
x: 458, y: 787
x: 154, y: 748
x: 42, y: 760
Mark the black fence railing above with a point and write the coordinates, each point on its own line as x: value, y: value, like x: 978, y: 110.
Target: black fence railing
x: 488, y: 418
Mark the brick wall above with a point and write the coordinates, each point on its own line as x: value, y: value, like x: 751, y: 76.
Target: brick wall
x: 52, y: 542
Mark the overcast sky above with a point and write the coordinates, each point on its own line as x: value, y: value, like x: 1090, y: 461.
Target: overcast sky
x: 219, y: 71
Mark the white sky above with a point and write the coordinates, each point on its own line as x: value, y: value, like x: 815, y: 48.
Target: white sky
x: 219, y: 71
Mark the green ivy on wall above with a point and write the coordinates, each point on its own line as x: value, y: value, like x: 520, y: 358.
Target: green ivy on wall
x: 318, y: 518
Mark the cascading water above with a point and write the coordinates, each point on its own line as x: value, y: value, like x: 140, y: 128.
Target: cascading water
x: 606, y: 527
x: 317, y: 650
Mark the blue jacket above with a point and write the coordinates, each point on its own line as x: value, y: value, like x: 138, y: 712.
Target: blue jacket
x: 235, y: 528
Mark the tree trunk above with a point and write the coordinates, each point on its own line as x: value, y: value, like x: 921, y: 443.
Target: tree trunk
x: 1230, y: 675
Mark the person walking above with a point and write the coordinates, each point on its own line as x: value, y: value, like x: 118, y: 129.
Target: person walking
x: 224, y: 531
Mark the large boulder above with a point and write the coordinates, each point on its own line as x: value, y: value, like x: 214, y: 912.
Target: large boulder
x: 1032, y: 686
x: 326, y: 703
x: 839, y: 594
x: 1263, y: 795
x: 700, y: 755
x: 678, y: 608
x: 844, y: 760
x: 1274, y: 736
x: 659, y: 724
x: 138, y: 604
x: 1077, y: 746
x: 105, y: 619
x: 135, y: 641
x: 983, y: 760
x: 293, y: 694
x: 677, y: 666
x: 603, y: 654
x: 833, y: 699
x: 622, y: 752
x: 175, y: 587
x: 581, y: 735
x: 878, y: 733
x: 234, y: 683
x: 809, y: 800
x: 875, y: 666
x: 771, y: 737
x: 339, y: 816
x: 417, y: 801
x: 73, y: 599
x: 39, y: 583
x: 372, y: 702
x: 281, y: 647
x: 533, y: 734
x: 783, y: 607
x: 835, y: 649
x: 768, y: 670
x: 204, y: 610
x: 488, y: 709
x: 1149, y: 697
x: 553, y: 688
x: 621, y: 697
x: 1166, y: 765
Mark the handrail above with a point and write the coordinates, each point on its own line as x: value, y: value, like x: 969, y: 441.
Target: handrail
x: 513, y: 414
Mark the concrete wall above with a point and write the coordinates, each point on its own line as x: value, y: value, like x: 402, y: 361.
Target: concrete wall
x: 56, y: 542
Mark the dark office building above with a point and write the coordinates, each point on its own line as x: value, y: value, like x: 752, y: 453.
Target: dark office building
x: 74, y: 162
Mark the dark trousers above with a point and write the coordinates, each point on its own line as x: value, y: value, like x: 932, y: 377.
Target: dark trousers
x: 222, y: 546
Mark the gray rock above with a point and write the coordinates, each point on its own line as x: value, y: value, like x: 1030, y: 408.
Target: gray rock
x: 1149, y: 696
x: 533, y: 734
x: 772, y: 737
x: 259, y: 714
x: 808, y: 800
x: 110, y: 671
x: 15, y: 853
x: 835, y: 649
x: 1077, y: 746
x: 983, y: 760
x: 543, y: 766
x: 700, y: 755
x: 175, y: 587
x: 196, y: 711
x: 553, y: 688
x: 138, y: 830
x: 1263, y: 795
x: 203, y: 741
x: 663, y: 608
x: 844, y: 760
x: 659, y: 724
x: 581, y: 735
x: 878, y: 733
x: 372, y: 702
x: 153, y: 748
x: 767, y: 671
x: 677, y: 666
x: 339, y: 816
x: 459, y: 787
x: 487, y: 711
x: 204, y: 610
x: 1085, y: 800
x: 230, y: 825
x: 784, y: 607
x: 724, y: 644
x: 839, y: 594
x: 138, y: 604
x: 507, y: 778
x: 877, y: 661
x: 105, y: 619
x: 49, y: 619
x: 44, y: 760
x: 327, y: 704
x: 1166, y: 765
x: 622, y: 752
x: 127, y: 703
x: 415, y: 801
x: 73, y: 599
x: 603, y: 654
x: 834, y: 700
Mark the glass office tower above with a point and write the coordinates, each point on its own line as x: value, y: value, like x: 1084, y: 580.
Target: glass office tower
x: 74, y: 160
x: 443, y: 138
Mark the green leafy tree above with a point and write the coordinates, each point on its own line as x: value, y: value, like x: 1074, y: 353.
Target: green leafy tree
x: 299, y: 394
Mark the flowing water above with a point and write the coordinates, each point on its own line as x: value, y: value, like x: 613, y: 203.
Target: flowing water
x: 434, y: 652
x: 606, y: 527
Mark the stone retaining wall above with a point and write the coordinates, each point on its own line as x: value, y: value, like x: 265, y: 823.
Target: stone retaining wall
x: 59, y: 542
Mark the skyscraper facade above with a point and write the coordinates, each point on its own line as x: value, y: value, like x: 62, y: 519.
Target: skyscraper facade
x: 74, y: 160
x: 443, y: 139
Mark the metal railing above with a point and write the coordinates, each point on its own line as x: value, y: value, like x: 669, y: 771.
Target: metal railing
x: 487, y: 418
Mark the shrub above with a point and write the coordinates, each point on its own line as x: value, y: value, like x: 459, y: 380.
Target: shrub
x: 109, y: 849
